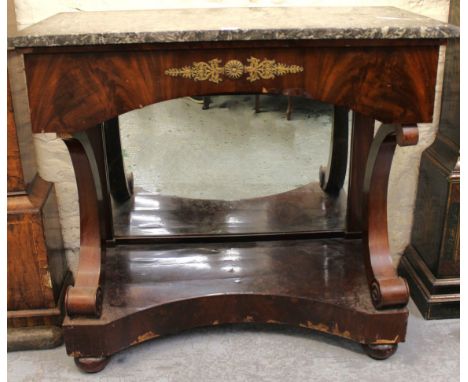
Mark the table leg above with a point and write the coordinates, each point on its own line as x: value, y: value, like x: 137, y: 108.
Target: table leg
x: 85, y: 297
x: 121, y: 185
x: 257, y: 103
x: 362, y: 135
x: 387, y: 289
x: 95, y: 144
x: 206, y: 102
x: 289, y: 109
x: 333, y: 175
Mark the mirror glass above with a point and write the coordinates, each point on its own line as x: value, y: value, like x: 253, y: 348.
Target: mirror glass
x: 228, y: 164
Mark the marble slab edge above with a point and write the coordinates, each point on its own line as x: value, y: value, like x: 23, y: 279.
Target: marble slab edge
x: 443, y: 32
x: 231, y: 24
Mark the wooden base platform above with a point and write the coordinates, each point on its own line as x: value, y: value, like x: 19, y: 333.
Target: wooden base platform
x: 157, y: 289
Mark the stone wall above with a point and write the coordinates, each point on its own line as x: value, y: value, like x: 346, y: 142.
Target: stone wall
x: 54, y: 161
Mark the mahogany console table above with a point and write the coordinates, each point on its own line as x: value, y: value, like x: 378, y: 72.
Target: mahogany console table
x: 299, y: 258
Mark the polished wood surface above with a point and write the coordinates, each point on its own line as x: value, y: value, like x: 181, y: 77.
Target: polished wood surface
x: 85, y: 297
x: 35, y: 260
x: 387, y: 289
x: 94, y: 143
x: 380, y: 351
x: 305, y: 210
x: 15, y: 179
x: 120, y: 184
x: 362, y: 134
x: 154, y: 290
x: 72, y: 92
x: 333, y: 175
x: 27, y: 259
x: 37, y: 274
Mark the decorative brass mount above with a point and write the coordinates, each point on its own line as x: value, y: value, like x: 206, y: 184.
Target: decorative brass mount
x: 213, y: 70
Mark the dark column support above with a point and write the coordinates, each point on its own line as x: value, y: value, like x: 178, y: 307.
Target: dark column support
x: 361, y: 138
x: 333, y: 175
x: 95, y: 146
x: 121, y: 185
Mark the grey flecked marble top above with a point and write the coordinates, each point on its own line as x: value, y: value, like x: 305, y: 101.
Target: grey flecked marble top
x: 226, y: 24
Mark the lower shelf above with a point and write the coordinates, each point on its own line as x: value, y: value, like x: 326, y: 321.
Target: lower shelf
x: 155, y: 290
x: 302, y: 211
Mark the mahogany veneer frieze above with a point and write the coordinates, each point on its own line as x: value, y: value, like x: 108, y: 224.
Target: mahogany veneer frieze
x: 74, y: 91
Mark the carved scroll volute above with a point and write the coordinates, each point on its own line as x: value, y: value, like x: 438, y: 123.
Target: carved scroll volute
x: 387, y: 289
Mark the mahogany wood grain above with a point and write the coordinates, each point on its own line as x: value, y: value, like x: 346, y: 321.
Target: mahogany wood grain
x: 37, y: 271
x: 333, y: 175
x: 15, y: 178
x: 155, y: 290
x: 74, y: 91
x: 36, y: 268
x: 27, y: 251
x: 387, y: 289
x: 85, y: 297
x: 40, y: 317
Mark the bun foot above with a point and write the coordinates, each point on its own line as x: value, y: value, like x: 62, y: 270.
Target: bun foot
x: 92, y: 365
x: 380, y: 352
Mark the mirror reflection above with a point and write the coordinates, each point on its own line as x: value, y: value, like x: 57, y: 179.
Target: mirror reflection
x: 228, y: 164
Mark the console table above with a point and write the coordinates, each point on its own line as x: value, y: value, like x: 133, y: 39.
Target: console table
x: 300, y: 258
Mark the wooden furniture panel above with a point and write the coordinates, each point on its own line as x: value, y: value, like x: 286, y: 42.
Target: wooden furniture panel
x: 74, y: 91
x: 27, y: 262
x: 15, y: 179
x: 35, y: 259
x: 275, y: 282
x: 36, y: 263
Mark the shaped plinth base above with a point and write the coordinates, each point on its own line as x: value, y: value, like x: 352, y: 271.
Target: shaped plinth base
x: 158, y: 289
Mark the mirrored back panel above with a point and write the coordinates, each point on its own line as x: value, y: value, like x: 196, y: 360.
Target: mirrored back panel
x: 228, y: 165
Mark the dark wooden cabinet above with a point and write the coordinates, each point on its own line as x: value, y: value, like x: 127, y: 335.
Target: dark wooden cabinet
x: 431, y: 263
x: 36, y: 265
